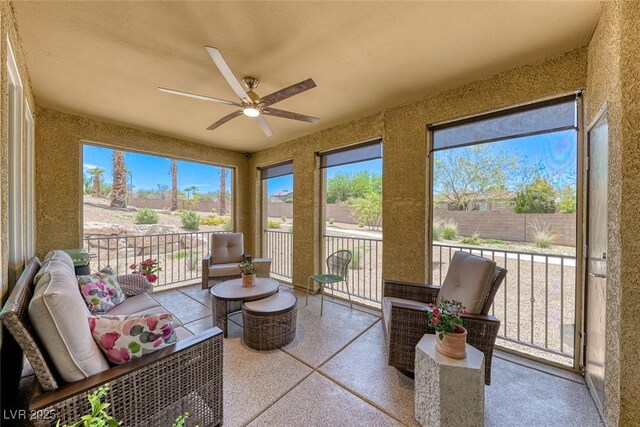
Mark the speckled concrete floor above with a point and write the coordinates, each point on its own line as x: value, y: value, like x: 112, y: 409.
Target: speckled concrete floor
x: 334, y: 374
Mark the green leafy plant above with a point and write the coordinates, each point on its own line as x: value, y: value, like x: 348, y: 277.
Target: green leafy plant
x: 542, y: 234
x: 146, y: 216
x: 537, y: 197
x: 227, y: 225
x: 567, y: 200
x: 274, y: 224
x: 212, y: 220
x: 449, y: 230
x: 190, y: 220
x: 181, y: 421
x: 493, y: 242
x: 98, y: 417
x: 368, y: 210
x: 248, y: 267
x: 361, y: 224
x: 445, y: 318
x: 474, y: 239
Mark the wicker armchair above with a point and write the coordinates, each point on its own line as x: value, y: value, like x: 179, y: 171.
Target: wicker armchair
x: 406, y: 321
x: 149, y: 391
x: 227, y: 251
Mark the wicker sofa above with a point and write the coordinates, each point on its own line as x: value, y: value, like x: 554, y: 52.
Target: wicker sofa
x: 149, y: 391
x: 404, y: 309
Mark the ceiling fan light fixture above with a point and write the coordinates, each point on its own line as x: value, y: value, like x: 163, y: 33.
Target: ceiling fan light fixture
x: 251, y: 111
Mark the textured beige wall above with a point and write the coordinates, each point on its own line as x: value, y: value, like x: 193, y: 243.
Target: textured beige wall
x: 59, y: 162
x: 8, y: 30
x: 405, y: 165
x: 614, y: 82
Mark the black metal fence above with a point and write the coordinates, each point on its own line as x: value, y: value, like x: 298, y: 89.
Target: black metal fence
x: 179, y: 254
x: 279, y: 247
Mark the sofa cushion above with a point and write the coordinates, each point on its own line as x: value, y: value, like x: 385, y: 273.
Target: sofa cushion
x: 58, y: 258
x: 468, y: 280
x: 226, y: 269
x: 59, y: 316
x: 101, y: 291
x: 123, y: 338
x: 226, y: 248
x: 135, y: 304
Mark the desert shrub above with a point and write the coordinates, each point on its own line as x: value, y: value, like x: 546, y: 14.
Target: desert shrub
x: 146, y: 216
x: 357, y: 255
x: 542, y: 234
x: 289, y: 200
x: 449, y: 230
x: 190, y: 220
x: 474, y: 239
x: 493, y: 242
x: 212, y: 220
x: 274, y: 224
x: 437, y: 228
x: 193, y: 259
x: 227, y: 225
x: 331, y: 221
x: 361, y: 224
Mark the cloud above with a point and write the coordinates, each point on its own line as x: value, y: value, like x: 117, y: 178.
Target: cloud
x: 88, y: 166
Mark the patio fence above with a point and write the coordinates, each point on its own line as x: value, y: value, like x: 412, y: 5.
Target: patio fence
x: 279, y: 247
x: 179, y: 254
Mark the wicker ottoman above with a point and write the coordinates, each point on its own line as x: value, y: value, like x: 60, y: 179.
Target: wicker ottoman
x: 270, y: 323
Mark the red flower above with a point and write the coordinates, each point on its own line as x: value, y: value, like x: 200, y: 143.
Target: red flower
x: 435, y: 320
x: 132, y: 266
x: 152, y: 278
x: 436, y: 312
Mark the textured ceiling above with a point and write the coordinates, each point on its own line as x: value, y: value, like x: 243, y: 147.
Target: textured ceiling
x: 105, y: 59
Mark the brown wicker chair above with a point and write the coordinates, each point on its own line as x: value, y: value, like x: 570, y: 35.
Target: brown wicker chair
x: 149, y: 391
x: 406, y: 321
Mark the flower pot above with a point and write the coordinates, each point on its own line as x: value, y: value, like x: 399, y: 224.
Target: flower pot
x: 248, y: 280
x: 452, y: 344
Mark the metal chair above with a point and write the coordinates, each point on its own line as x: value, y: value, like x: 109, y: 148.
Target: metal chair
x: 337, y: 264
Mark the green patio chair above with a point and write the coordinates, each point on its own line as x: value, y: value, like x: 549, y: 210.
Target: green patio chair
x: 337, y: 264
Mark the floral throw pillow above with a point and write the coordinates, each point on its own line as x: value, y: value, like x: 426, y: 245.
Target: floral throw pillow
x: 101, y: 291
x: 123, y: 338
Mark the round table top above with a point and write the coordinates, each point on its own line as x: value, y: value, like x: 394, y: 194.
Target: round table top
x: 232, y: 290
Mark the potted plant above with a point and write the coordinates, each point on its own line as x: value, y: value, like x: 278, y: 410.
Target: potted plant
x: 148, y: 268
x: 248, y: 269
x: 451, y: 336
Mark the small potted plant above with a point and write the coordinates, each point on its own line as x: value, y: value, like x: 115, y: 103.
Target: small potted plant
x: 451, y: 336
x: 148, y: 268
x: 248, y: 269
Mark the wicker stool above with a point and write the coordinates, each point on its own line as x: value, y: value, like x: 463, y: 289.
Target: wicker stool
x: 270, y: 323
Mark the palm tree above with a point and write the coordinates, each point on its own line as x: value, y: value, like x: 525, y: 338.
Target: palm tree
x: 119, y: 190
x: 96, y: 173
x: 174, y: 185
x: 223, y: 191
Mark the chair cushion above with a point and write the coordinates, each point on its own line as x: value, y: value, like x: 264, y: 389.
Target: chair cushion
x: 468, y: 280
x: 226, y: 248
x: 58, y: 313
x: 134, y: 305
x: 226, y: 269
x: 101, y: 291
x: 123, y: 338
x: 264, y: 267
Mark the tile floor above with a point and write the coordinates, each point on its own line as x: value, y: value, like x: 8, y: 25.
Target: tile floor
x: 334, y: 374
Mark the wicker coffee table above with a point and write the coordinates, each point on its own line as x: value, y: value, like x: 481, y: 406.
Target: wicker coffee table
x: 229, y: 295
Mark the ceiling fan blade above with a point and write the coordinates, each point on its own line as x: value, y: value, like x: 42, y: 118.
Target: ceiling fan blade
x: 226, y: 73
x: 225, y: 119
x: 196, y: 96
x: 289, y: 115
x: 262, y: 123
x: 288, y: 92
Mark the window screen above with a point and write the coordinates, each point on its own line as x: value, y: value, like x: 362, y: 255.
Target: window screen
x: 544, y: 117
x: 280, y: 169
x: 358, y: 153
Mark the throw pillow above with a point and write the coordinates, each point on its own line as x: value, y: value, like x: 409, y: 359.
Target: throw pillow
x: 101, y: 291
x: 123, y: 338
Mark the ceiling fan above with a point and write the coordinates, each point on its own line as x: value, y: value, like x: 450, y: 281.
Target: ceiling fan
x: 251, y: 104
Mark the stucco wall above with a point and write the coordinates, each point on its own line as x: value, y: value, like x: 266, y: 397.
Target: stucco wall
x: 405, y: 165
x: 613, y: 80
x: 59, y: 162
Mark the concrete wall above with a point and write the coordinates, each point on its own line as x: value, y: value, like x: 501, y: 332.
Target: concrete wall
x: 59, y: 139
x: 613, y: 81
x: 405, y: 165
x: 505, y: 224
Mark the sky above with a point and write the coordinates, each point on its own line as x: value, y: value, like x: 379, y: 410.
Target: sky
x: 148, y: 171
x: 552, y: 155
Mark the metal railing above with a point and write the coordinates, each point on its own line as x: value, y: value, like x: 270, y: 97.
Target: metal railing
x: 279, y: 247
x: 179, y: 254
x: 365, y: 270
x: 536, y: 302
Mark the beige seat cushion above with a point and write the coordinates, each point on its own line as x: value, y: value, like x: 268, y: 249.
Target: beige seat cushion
x: 468, y: 280
x: 226, y: 269
x: 264, y: 267
x: 226, y: 248
x: 134, y: 305
x: 58, y: 258
x: 59, y: 316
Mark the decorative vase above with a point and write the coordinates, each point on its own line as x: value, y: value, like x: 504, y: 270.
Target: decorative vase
x: 249, y: 281
x: 452, y: 344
